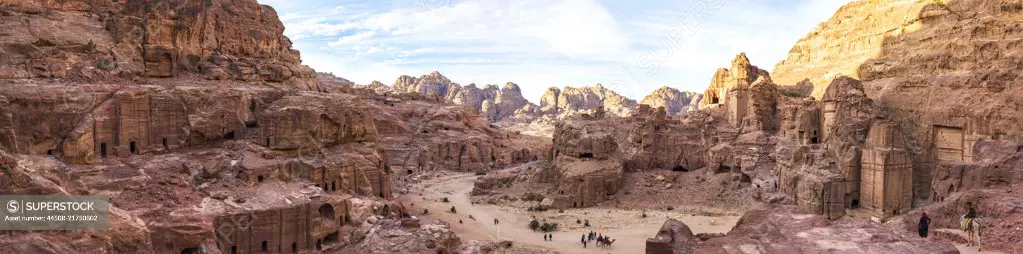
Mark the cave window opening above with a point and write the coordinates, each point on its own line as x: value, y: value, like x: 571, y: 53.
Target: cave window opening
x: 165, y: 146
x: 263, y: 247
x: 259, y: 178
x: 234, y: 249
x: 813, y: 138
x: 252, y: 124
x: 103, y: 150
x: 133, y: 147
x: 252, y: 105
x: 294, y: 247
x: 331, y: 238
x: 408, y: 171
x: 586, y: 156
x: 49, y: 152
x: 229, y: 135
x: 319, y: 244
x: 713, y: 100
x: 951, y: 189
x: 855, y: 203
x: 333, y: 186
x: 325, y: 187
x: 679, y: 168
x: 191, y: 250
x: 267, y: 142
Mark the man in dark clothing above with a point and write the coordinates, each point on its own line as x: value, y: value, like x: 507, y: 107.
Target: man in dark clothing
x: 584, y: 240
x: 924, y: 223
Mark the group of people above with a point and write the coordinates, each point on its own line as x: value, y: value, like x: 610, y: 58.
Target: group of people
x: 594, y: 236
x: 548, y: 237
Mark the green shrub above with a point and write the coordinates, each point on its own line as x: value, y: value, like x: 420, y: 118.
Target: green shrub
x: 104, y: 64
x: 445, y: 200
x: 586, y: 223
x: 548, y: 227
x: 534, y: 224
x: 453, y: 210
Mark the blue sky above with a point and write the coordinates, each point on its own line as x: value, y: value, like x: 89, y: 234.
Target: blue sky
x: 630, y: 46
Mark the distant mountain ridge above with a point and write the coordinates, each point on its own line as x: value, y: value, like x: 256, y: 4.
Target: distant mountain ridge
x: 506, y: 102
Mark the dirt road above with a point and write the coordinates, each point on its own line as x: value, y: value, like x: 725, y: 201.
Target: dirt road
x: 629, y: 229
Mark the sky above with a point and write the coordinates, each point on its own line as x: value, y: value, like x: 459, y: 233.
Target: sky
x: 630, y: 46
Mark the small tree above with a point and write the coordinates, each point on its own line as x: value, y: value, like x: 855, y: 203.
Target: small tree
x: 577, y: 221
x: 586, y: 223
x: 445, y: 200
x: 534, y: 224
x: 453, y: 210
x: 548, y: 227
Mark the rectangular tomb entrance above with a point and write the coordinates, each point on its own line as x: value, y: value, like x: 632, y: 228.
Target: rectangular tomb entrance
x: 948, y: 142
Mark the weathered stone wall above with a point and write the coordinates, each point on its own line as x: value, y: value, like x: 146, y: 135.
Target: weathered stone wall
x: 586, y: 182
x: 85, y: 123
x: 240, y: 40
x: 583, y: 142
x: 886, y: 187
x: 302, y: 227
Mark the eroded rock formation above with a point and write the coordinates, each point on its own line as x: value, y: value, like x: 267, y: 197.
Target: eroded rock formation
x: 239, y: 40
x: 673, y: 100
x: 779, y: 230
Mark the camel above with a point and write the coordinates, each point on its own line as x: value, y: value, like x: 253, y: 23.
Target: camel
x: 974, y: 228
x: 604, y: 242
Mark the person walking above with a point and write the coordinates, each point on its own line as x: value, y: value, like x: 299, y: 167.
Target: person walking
x: 583, y: 239
x: 550, y: 237
x: 544, y: 237
x: 924, y: 223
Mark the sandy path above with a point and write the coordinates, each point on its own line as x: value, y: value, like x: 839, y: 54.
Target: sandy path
x: 628, y: 228
x: 962, y: 247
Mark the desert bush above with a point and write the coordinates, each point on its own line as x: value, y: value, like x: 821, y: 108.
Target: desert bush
x: 534, y: 224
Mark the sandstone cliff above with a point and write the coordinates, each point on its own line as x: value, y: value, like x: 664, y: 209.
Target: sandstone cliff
x: 495, y: 103
x: 572, y: 100
x: 78, y: 39
x: 945, y: 71
x: 673, y: 100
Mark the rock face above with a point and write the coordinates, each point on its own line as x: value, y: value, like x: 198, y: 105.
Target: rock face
x: 240, y: 40
x: 740, y: 76
x: 495, y: 103
x: 571, y: 100
x: 585, y: 167
x: 942, y: 72
x: 673, y: 100
x: 674, y: 237
x: 779, y: 230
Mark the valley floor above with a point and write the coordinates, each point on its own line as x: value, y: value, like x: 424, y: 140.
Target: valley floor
x: 629, y: 229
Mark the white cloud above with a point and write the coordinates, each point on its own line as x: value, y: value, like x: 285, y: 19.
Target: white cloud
x: 542, y: 43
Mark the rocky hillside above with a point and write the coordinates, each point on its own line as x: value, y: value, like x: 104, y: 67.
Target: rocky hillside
x: 91, y: 39
x: 571, y: 100
x: 199, y: 122
x: 974, y: 41
x: 506, y: 103
x: 673, y: 100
